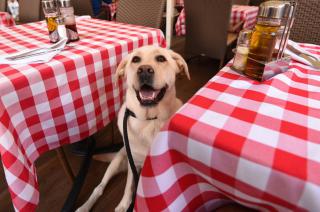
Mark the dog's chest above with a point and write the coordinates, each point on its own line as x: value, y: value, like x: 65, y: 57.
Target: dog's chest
x: 141, y: 135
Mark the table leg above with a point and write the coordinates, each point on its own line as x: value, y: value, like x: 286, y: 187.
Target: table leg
x: 65, y: 164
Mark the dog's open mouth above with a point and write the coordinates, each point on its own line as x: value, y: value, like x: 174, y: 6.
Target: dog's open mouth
x: 148, y: 96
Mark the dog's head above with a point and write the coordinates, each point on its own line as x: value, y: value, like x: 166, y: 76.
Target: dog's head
x: 151, y: 71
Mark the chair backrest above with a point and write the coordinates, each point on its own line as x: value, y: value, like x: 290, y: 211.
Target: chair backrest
x: 306, y: 26
x: 207, y: 24
x: 3, y: 4
x: 82, y: 7
x: 30, y: 11
x: 141, y: 12
x: 240, y: 2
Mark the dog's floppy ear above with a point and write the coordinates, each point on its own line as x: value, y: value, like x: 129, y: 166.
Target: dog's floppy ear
x: 181, y: 63
x: 121, y: 67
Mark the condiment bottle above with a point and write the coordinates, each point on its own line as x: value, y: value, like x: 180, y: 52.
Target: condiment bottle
x: 67, y: 12
x: 242, y: 50
x: 264, y: 37
x: 50, y: 11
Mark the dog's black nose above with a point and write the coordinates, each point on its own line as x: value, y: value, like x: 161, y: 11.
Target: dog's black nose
x: 145, y: 74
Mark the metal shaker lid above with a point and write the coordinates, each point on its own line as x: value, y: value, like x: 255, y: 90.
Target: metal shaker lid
x: 274, y: 9
x: 48, y: 4
x: 65, y: 3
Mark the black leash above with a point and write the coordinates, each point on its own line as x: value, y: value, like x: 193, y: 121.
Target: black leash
x: 130, y: 158
x: 135, y: 174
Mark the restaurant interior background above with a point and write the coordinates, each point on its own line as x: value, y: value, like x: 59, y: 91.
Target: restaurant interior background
x: 208, y: 47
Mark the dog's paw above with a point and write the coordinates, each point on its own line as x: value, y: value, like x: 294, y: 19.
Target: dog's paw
x: 122, y: 207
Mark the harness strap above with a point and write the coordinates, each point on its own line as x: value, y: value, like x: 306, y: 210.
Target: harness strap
x: 130, y: 158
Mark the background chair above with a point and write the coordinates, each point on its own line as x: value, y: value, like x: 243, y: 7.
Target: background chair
x: 240, y: 2
x: 306, y: 26
x: 84, y: 7
x: 30, y: 11
x: 3, y: 4
x: 207, y: 24
x: 141, y: 12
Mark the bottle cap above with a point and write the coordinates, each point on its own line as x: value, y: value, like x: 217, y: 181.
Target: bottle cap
x: 274, y: 9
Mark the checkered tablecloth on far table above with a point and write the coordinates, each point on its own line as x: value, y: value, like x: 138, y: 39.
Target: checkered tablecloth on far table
x: 43, y: 106
x: 6, y: 19
x: 240, y: 140
x: 239, y: 13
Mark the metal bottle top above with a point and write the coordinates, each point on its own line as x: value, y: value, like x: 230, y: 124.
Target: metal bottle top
x: 65, y: 3
x: 274, y: 9
x: 48, y: 4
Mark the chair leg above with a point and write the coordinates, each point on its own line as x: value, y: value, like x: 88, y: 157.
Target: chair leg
x: 65, y: 164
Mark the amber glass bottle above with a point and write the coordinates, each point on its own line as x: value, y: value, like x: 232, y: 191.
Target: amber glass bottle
x: 262, y: 44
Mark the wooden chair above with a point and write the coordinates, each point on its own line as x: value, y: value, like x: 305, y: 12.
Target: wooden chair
x: 207, y: 24
x: 29, y: 13
x: 306, y: 26
x: 141, y: 12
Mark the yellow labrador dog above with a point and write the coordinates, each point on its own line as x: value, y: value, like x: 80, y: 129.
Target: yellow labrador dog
x: 151, y: 95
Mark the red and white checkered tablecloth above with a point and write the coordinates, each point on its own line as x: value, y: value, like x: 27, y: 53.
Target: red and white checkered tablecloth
x: 240, y: 140
x: 239, y: 13
x: 43, y: 106
x: 6, y: 19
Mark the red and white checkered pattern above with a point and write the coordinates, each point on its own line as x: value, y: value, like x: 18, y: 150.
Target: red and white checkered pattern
x: 239, y: 13
x: 43, y: 106
x: 237, y: 139
x: 6, y: 19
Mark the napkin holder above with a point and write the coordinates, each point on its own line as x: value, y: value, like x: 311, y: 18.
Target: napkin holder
x: 280, y: 62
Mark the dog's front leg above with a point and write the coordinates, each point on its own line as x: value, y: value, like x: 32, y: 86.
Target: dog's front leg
x: 118, y: 164
x: 126, y: 199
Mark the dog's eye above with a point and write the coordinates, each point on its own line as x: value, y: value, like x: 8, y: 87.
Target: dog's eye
x: 136, y: 59
x: 160, y: 58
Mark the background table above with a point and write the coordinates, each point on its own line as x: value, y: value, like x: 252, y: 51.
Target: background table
x: 254, y: 143
x: 43, y: 106
x: 6, y: 19
x: 239, y: 13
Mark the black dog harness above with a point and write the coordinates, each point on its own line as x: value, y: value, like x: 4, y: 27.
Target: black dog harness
x: 129, y: 154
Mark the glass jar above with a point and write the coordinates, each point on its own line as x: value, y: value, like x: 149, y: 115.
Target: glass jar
x: 264, y: 36
x: 50, y: 11
x: 67, y: 12
x: 242, y: 50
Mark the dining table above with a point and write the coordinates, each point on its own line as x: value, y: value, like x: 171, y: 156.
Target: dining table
x: 240, y: 140
x: 46, y: 105
x: 6, y: 20
x: 239, y: 14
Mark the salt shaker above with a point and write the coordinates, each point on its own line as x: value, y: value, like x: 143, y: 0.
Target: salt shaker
x: 242, y: 50
x: 50, y: 11
x: 67, y: 12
